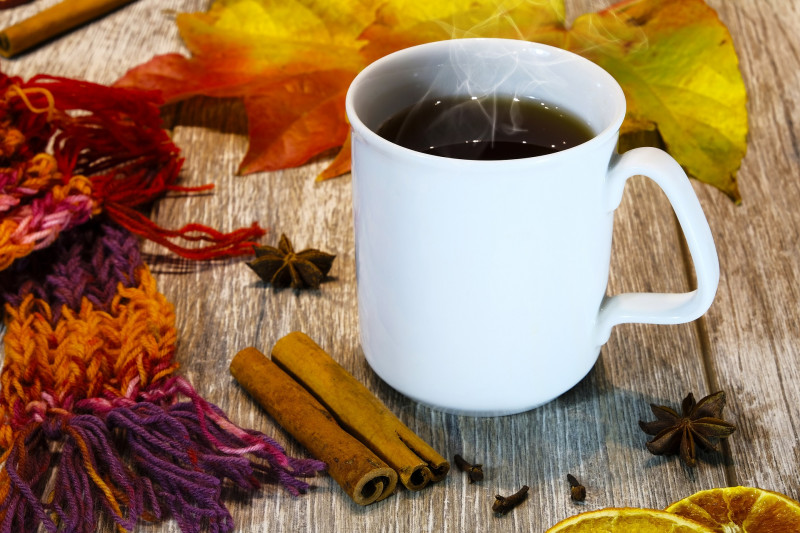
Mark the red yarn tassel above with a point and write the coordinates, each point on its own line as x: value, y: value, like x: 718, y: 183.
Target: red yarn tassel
x: 231, y: 244
x: 115, y: 137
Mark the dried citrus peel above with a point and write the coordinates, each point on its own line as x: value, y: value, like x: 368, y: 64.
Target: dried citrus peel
x: 740, y: 509
x: 628, y: 519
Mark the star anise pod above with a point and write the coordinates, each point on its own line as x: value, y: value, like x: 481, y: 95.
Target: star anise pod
x: 698, y: 423
x: 283, y: 267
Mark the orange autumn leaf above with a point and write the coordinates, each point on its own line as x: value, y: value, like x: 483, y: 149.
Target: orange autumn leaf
x: 291, y: 65
x: 340, y: 164
x: 291, y: 61
x: 292, y: 121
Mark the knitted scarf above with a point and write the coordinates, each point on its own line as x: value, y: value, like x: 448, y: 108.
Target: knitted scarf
x: 95, y: 418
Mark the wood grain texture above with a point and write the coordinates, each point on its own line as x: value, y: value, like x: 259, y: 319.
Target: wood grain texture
x: 747, y: 344
x: 753, y: 330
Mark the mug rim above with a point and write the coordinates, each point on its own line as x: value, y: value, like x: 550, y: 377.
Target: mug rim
x: 358, y: 125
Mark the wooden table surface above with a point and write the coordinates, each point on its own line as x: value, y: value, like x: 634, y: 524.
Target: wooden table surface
x: 747, y: 344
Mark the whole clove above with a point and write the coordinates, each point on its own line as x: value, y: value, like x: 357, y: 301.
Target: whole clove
x: 577, y: 491
x: 474, y: 472
x: 503, y: 504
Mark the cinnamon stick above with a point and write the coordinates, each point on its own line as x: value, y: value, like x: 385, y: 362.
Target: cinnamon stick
x: 51, y: 22
x: 362, y: 475
x: 359, y: 412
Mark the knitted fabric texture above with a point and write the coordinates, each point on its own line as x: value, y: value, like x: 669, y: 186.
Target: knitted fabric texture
x: 95, y: 418
x: 109, y: 154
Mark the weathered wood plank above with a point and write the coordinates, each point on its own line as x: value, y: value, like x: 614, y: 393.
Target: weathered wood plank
x: 746, y: 345
x: 754, y: 337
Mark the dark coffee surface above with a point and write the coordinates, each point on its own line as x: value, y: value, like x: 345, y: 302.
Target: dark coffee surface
x: 488, y: 128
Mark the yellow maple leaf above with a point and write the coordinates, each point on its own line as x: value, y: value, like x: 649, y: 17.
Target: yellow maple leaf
x: 678, y: 68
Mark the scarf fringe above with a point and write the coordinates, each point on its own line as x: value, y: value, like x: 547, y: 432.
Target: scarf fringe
x: 93, y: 420
x: 149, y: 458
x: 108, y: 140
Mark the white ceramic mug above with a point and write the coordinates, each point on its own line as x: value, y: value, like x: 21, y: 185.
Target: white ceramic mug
x: 482, y: 284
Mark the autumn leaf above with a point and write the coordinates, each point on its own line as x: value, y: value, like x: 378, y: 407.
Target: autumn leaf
x: 399, y: 24
x: 291, y: 61
x: 677, y: 66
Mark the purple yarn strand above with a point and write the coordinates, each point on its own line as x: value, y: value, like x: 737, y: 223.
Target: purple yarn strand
x: 298, y: 467
x: 24, y: 479
x: 74, y: 503
x: 178, y: 466
x: 105, y: 459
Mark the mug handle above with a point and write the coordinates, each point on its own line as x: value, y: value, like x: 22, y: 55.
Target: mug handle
x: 662, y: 308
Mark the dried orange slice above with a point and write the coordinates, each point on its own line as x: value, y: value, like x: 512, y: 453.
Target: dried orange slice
x: 740, y: 510
x: 628, y: 520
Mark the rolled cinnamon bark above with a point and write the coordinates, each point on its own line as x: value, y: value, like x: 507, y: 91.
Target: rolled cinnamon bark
x: 53, y: 21
x: 362, y: 474
x: 359, y: 412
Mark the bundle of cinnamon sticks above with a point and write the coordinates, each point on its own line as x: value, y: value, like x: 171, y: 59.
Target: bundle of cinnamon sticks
x: 337, y: 419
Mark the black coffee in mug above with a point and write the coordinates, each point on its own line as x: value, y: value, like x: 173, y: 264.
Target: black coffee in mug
x: 487, y: 128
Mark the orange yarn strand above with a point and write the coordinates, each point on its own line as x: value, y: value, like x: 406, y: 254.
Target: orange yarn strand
x: 23, y: 94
